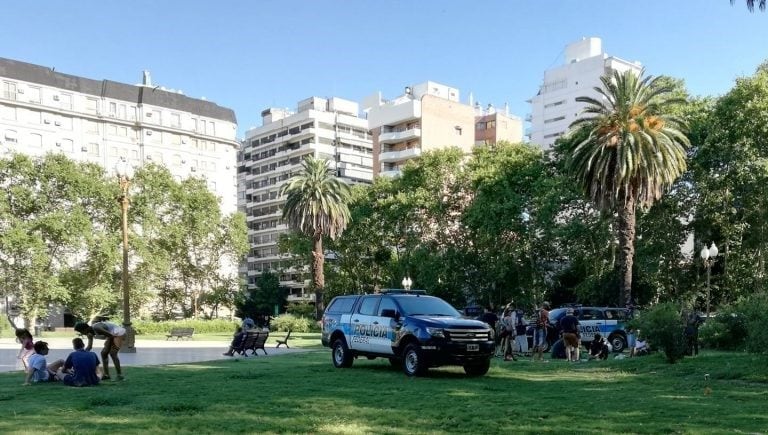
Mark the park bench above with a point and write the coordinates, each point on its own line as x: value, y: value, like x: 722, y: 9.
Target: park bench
x: 253, y: 341
x: 180, y: 333
x: 284, y: 341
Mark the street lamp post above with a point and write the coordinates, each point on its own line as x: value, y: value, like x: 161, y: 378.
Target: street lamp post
x: 124, y: 173
x: 708, y: 255
x: 407, y: 283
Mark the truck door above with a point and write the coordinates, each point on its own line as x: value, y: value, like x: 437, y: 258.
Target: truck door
x: 362, y: 323
x: 384, y: 328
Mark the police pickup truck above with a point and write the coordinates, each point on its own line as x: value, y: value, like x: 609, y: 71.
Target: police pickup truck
x: 413, y: 330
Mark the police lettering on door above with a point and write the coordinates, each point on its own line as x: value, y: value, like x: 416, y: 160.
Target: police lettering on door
x: 364, y: 330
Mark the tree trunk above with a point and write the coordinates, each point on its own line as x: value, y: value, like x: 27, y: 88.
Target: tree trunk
x: 318, y: 277
x: 627, y: 247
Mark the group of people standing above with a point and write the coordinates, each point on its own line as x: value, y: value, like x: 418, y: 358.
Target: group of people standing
x: 512, y: 326
x: 81, y: 367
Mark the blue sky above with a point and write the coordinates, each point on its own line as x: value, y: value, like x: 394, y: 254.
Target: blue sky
x: 250, y: 55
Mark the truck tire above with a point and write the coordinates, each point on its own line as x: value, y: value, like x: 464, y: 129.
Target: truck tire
x: 413, y: 361
x: 477, y: 368
x: 618, y: 341
x: 340, y: 354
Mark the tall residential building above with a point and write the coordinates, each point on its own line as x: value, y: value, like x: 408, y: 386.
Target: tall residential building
x: 101, y: 121
x: 271, y: 154
x: 426, y: 117
x: 554, y: 107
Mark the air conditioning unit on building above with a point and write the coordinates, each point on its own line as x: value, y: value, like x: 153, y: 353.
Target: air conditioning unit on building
x: 149, y: 114
x: 149, y: 132
x: 84, y: 149
x: 20, y: 91
x: 149, y: 157
x: 46, y: 121
x: 57, y: 123
x: 55, y: 98
x: 193, y: 169
x: 58, y: 144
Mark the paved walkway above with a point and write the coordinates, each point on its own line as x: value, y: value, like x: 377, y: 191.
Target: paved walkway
x: 148, y: 352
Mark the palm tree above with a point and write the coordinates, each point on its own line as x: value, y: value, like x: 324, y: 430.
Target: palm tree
x: 633, y: 152
x: 751, y: 4
x: 316, y: 205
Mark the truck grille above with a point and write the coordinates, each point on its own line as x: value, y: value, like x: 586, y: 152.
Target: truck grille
x: 468, y: 335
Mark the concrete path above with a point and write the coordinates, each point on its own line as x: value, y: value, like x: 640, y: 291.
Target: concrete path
x: 148, y: 352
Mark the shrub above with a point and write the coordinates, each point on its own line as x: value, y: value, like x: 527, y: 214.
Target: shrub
x: 727, y: 330
x: 301, y: 309
x: 284, y: 322
x: 144, y: 327
x: 664, y: 328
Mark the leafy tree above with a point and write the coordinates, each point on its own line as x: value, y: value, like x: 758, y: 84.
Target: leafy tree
x: 751, y: 4
x: 634, y: 151
x: 316, y: 205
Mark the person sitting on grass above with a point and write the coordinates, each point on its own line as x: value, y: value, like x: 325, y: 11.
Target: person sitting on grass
x: 113, y: 339
x: 81, y: 367
x: 598, y: 348
x: 237, y: 342
x: 39, y: 370
x: 641, y: 346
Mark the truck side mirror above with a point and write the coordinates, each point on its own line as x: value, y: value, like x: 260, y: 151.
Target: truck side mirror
x: 387, y: 312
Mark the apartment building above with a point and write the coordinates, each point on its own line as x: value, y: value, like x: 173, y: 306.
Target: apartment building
x: 272, y: 153
x: 102, y: 121
x: 554, y: 107
x: 426, y: 117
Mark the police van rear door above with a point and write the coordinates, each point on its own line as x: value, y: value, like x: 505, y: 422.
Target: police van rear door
x: 591, y: 321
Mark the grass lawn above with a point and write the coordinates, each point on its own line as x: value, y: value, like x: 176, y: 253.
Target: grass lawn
x: 304, y: 393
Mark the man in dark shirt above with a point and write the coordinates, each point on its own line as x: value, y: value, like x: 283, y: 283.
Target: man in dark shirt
x: 80, y: 367
x: 570, y: 328
x: 490, y: 318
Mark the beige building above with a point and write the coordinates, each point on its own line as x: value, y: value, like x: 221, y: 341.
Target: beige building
x: 492, y: 127
x: 426, y: 117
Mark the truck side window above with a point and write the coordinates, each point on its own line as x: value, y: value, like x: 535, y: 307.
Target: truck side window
x: 387, y: 304
x: 368, y: 306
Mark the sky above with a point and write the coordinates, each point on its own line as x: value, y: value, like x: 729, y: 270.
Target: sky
x: 251, y: 55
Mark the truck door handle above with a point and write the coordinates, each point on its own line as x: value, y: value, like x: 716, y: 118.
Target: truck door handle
x: 356, y: 320
x: 375, y: 323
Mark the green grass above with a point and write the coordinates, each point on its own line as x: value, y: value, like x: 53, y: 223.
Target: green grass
x: 304, y: 393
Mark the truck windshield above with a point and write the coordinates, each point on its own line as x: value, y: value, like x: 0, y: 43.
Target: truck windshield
x: 426, y: 306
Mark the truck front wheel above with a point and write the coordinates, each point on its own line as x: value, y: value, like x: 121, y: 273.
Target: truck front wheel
x: 477, y: 368
x: 414, y: 363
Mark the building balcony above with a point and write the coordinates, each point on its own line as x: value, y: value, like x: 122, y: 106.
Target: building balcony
x: 399, y: 136
x: 398, y: 156
x: 393, y: 173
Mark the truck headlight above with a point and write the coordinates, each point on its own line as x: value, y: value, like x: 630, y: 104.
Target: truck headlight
x: 436, y: 332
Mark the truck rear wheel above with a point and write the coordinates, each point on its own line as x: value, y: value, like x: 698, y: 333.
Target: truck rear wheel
x: 413, y: 361
x: 340, y: 354
x: 477, y: 368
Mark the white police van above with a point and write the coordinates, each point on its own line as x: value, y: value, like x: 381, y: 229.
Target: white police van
x: 610, y: 322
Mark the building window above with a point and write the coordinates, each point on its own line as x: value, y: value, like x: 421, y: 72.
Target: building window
x: 11, y: 136
x: 35, y: 140
x: 9, y: 90
x: 212, y: 128
x: 8, y: 113
x: 491, y: 124
x: 65, y: 101
x: 33, y: 94
x: 113, y: 109
x: 91, y: 105
x: 175, y: 120
x: 90, y: 127
x: 550, y: 120
x: 93, y: 149
x: 67, y: 145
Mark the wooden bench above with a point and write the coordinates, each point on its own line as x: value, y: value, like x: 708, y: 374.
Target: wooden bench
x: 179, y: 333
x: 284, y: 341
x: 253, y: 341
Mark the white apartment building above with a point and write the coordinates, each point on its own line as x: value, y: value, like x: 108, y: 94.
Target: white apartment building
x: 101, y: 121
x: 554, y: 107
x: 427, y: 116
x: 272, y: 153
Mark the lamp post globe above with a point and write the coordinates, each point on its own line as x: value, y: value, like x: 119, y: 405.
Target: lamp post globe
x: 124, y: 172
x: 407, y: 283
x: 708, y: 256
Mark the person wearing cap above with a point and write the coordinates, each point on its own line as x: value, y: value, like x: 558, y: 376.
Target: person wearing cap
x: 571, y: 336
x: 38, y: 369
x: 113, y: 335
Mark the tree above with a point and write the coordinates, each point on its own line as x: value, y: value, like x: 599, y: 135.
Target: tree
x: 751, y: 4
x: 632, y: 154
x: 316, y: 205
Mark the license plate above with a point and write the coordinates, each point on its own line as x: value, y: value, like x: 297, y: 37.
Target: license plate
x: 473, y: 347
